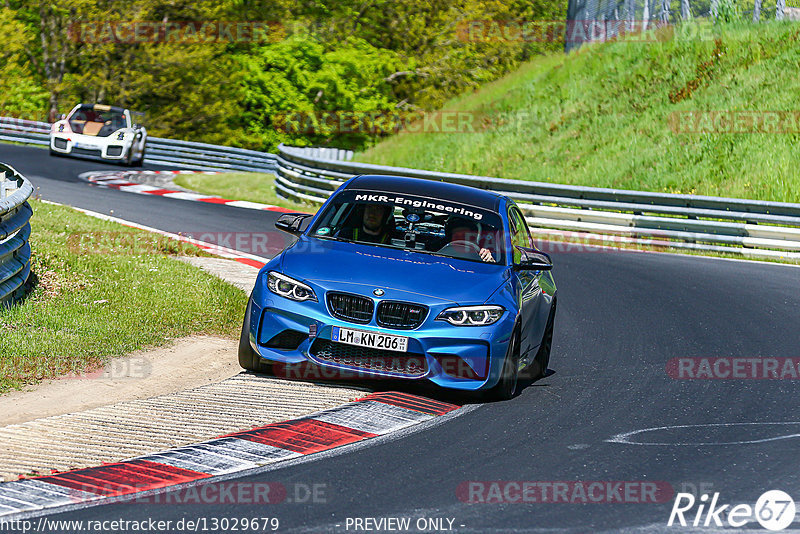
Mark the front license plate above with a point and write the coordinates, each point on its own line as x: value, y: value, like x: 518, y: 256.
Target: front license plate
x: 373, y: 340
x: 85, y: 146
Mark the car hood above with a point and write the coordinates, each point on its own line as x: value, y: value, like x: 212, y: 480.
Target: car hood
x: 344, y: 266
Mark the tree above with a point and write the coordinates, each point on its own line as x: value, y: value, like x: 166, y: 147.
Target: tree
x: 332, y: 55
x: 50, y: 54
x: 20, y: 95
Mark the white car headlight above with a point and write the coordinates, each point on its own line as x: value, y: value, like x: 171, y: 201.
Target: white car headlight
x: 287, y: 287
x: 472, y: 315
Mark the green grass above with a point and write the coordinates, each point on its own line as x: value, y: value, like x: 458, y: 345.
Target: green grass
x: 601, y: 117
x: 120, y: 292
x: 251, y: 186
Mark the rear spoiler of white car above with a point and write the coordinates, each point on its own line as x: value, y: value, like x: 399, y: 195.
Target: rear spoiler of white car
x: 137, y: 117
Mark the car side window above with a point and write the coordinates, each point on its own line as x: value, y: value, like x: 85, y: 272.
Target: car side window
x: 526, y: 233
x: 520, y: 236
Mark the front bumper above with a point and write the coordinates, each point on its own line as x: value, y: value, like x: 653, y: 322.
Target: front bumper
x: 88, y: 147
x: 464, y: 358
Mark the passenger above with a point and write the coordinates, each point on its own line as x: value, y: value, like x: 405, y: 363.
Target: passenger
x: 376, y: 225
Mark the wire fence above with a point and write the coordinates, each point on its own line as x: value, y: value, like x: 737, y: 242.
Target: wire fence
x: 601, y: 20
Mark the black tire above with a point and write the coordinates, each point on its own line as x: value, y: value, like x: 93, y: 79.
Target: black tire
x: 128, y: 161
x: 248, y: 359
x: 506, y: 387
x: 538, y: 368
x: 139, y: 162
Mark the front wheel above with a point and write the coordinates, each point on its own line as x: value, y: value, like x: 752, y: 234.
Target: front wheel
x: 139, y: 162
x: 542, y: 359
x: 507, y: 385
x: 248, y: 359
x: 128, y: 161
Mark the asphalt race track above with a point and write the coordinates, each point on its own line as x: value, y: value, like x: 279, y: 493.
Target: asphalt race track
x: 57, y: 180
x: 621, y: 317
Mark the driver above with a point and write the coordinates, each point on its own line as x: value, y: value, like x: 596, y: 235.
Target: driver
x: 374, y: 227
x: 463, y: 234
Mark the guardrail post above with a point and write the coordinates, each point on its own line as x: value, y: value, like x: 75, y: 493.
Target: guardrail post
x: 686, y: 10
x: 780, y: 9
x: 664, y: 14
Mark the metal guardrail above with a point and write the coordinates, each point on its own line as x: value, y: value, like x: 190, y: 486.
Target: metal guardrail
x: 337, y: 154
x: 748, y: 227
x: 189, y: 155
x: 205, y: 157
x: 15, y: 230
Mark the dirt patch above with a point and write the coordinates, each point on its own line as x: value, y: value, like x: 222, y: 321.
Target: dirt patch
x: 188, y: 363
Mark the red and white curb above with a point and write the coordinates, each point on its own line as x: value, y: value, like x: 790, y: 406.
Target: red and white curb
x: 375, y: 415
x: 176, y: 172
x: 120, y: 180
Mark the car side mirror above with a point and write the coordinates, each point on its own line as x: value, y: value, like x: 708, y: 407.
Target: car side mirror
x: 533, y: 260
x: 62, y: 117
x: 293, y: 223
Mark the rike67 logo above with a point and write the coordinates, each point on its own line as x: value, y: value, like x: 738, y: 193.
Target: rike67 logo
x: 774, y: 510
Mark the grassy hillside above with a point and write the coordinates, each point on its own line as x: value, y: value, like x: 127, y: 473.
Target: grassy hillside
x: 601, y: 117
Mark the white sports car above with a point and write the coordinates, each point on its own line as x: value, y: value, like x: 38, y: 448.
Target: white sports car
x: 99, y: 131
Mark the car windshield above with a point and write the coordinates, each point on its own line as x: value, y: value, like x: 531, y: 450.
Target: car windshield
x: 97, y: 121
x: 426, y: 225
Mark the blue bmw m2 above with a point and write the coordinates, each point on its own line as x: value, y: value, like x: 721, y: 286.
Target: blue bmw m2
x: 411, y: 279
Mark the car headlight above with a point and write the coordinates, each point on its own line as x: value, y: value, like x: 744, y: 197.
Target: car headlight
x: 287, y: 287
x: 472, y: 315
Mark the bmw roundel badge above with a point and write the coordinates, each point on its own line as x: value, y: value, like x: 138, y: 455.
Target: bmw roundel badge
x: 378, y: 292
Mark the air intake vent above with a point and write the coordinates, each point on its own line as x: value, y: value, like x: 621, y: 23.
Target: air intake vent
x: 86, y: 151
x: 287, y: 340
x: 403, y: 365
